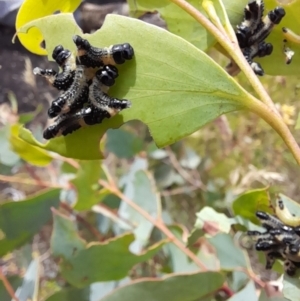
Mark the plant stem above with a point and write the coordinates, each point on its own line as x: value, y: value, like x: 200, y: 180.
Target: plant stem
x: 28, y: 181
x: 276, y: 122
x: 232, y: 48
x: 266, y: 108
x: 7, y: 286
x: 159, y: 224
x: 82, y: 220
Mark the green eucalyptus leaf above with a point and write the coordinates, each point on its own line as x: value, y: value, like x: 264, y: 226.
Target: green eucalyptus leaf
x: 86, y: 184
x: 239, y: 280
x: 175, y: 89
x: 29, y: 288
x: 291, y: 288
x: 264, y: 296
x: 82, y: 264
x: 34, y: 9
x: 123, y: 143
x: 28, y: 152
x: 212, y: 222
x: 247, y: 293
x: 7, y: 156
x: 144, y: 195
x: 292, y: 205
x: 179, y: 262
x: 184, y: 287
x: 71, y: 294
x: 65, y: 240
x: 251, y: 201
x: 19, y: 221
x: 230, y: 255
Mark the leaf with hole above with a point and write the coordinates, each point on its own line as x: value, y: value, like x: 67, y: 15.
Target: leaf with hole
x: 28, y: 152
x: 35, y: 9
x: 175, y: 89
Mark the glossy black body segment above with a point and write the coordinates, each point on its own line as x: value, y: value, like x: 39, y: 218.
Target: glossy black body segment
x: 90, y: 56
x: 85, y: 81
x: 62, y: 80
x: 281, y: 240
x: 98, y: 105
x: 68, y: 123
x: 253, y: 14
x: 254, y: 29
x: 103, y: 101
x: 73, y: 98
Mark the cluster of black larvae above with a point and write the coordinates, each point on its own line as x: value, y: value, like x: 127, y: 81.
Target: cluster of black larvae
x: 253, y: 31
x: 281, y: 240
x: 84, y: 81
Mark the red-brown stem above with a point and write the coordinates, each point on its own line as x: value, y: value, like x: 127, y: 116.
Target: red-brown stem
x: 14, y: 179
x: 80, y: 219
x: 7, y: 286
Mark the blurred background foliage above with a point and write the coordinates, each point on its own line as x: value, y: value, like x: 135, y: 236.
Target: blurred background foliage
x: 68, y: 230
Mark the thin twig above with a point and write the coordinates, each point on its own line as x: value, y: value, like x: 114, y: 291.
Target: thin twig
x: 179, y: 190
x: 70, y: 161
x: 197, y: 183
x: 112, y: 214
x: 80, y: 219
x: 7, y: 286
x: 14, y: 179
x: 157, y: 223
x: 33, y: 175
x: 163, y: 228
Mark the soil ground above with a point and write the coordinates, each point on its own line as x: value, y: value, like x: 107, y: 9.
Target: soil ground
x: 12, y: 70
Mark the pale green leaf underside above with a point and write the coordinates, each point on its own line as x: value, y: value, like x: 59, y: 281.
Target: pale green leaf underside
x: 176, y: 287
x: 175, y: 89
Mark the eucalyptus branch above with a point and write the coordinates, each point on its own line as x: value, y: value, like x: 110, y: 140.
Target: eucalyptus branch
x: 232, y: 48
x: 27, y: 181
x: 83, y: 221
x: 8, y: 286
x: 163, y: 228
x: 276, y: 122
x: 158, y: 223
x: 266, y: 108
